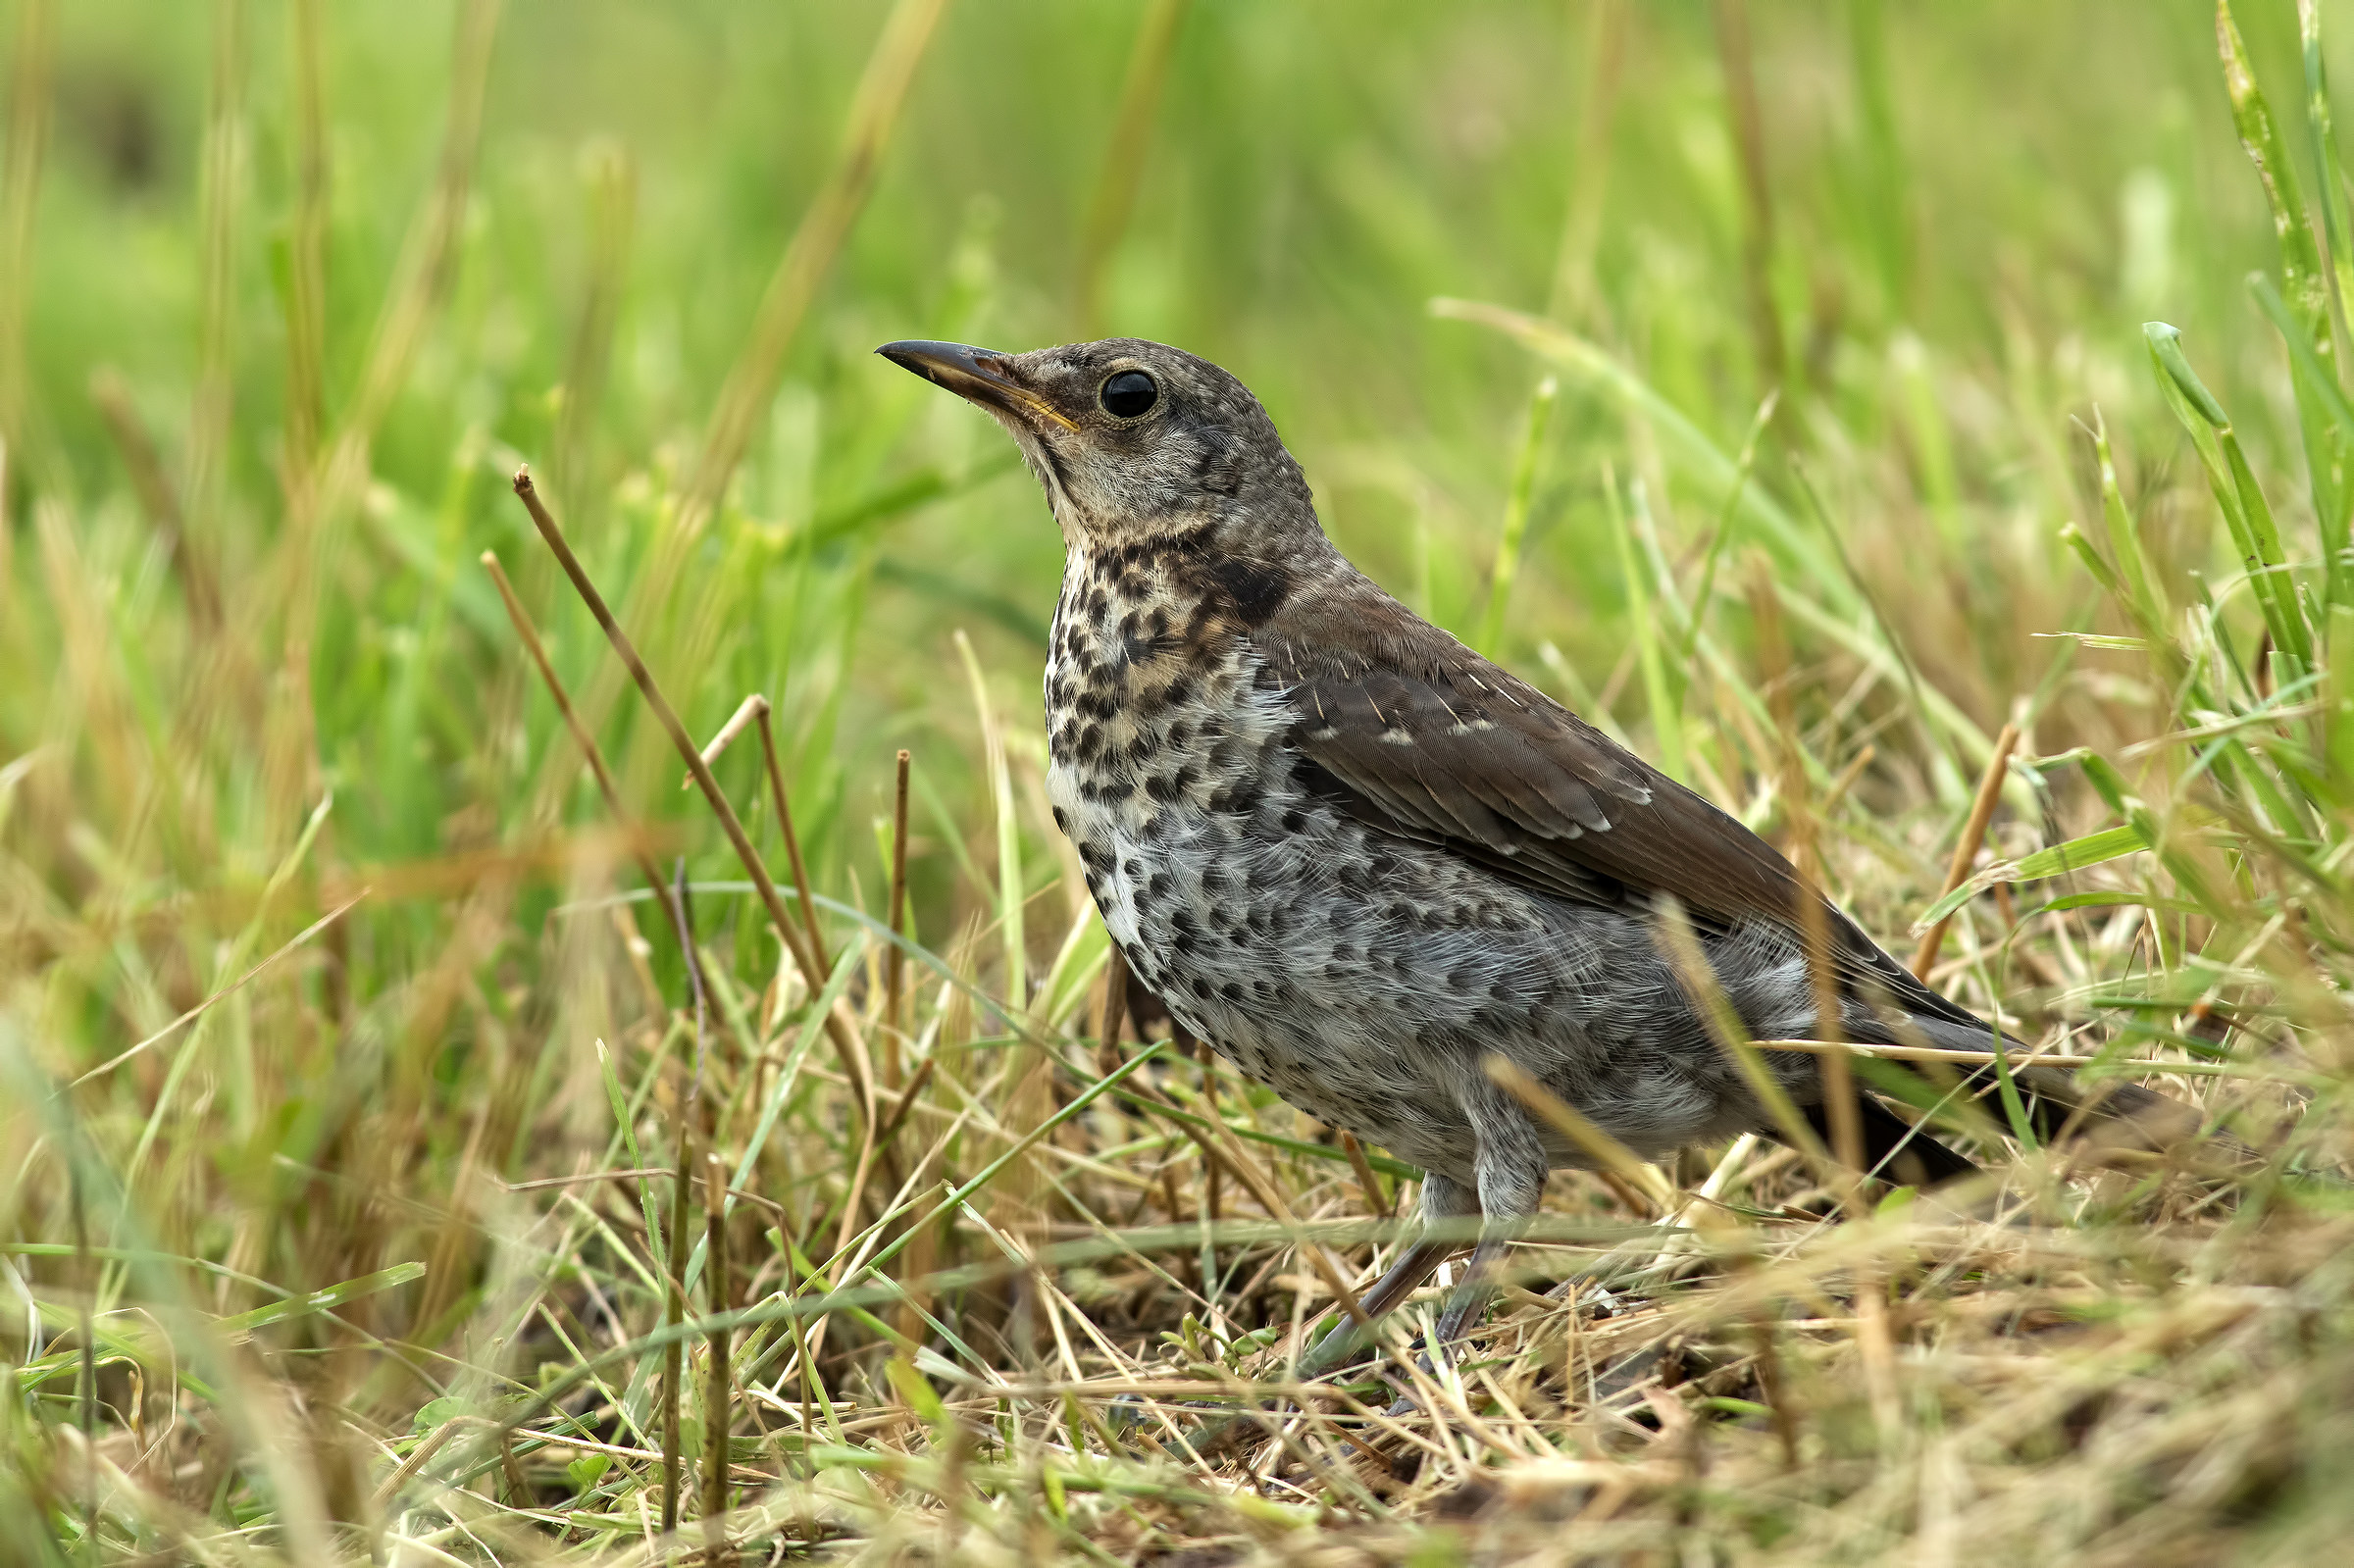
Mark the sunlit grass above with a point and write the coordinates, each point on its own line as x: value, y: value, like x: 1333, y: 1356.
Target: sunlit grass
x: 382, y: 1180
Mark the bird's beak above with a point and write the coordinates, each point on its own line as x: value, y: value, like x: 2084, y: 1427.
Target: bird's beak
x: 977, y: 375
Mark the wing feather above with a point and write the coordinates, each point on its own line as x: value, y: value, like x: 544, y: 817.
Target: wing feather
x: 1419, y: 736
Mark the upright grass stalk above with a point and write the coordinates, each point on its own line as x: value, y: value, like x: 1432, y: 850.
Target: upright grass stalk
x: 852, y: 1052
x: 1113, y: 197
x: 1745, y: 121
x: 1843, y: 1112
x: 674, y: 1324
x: 2310, y: 288
x: 1604, y: 64
x: 220, y: 201
x: 1010, y: 896
x: 1662, y: 690
x: 895, y: 956
x: 1518, y: 502
x: 1965, y: 845
x: 718, y: 1402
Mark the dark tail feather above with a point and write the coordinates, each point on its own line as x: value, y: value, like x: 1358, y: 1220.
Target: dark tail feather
x: 1894, y: 1150
x: 2118, y: 1114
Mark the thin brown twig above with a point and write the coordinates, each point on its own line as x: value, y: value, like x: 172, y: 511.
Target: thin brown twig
x: 1842, y: 1110
x: 792, y: 841
x: 907, y: 1098
x: 854, y: 1058
x: 1111, y: 1013
x: 717, y: 1402
x: 1966, y: 848
x: 590, y: 750
x: 1366, y: 1181
x: 1609, y: 1154
x: 717, y: 746
x: 674, y: 1357
x: 895, y: 961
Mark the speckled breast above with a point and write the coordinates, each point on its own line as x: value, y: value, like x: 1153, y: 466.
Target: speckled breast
x: 1274, y: 928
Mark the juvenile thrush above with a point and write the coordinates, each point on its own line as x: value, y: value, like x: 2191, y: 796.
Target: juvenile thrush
x: 1357, y: 857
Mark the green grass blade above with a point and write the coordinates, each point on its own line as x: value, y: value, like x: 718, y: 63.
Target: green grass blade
x: 2077, y: 854
x: 1516, y: 513
x: 2307, y: 285
x: 1664, y: 698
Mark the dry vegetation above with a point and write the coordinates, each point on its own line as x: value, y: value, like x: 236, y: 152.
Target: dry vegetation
x: 417, y: 1146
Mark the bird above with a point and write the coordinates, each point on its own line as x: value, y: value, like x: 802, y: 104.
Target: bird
x: 1359, y: 858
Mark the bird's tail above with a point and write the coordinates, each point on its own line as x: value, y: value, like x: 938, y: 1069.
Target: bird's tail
x: 2111, y: 1112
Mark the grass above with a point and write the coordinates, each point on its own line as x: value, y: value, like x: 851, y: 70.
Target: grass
x: 421, y: 1147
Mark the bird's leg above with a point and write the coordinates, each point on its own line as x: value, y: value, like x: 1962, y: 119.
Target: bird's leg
x: 1442, y: 1200
x: 1511, y: 1169
x: 1471, y: 1294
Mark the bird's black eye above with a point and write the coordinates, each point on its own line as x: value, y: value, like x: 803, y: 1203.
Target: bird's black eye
x: 1128, y: 393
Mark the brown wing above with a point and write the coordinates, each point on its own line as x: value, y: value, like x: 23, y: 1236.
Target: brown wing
x: 1417, y: 735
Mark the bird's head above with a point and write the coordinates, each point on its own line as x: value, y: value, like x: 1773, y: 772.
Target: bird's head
x: 1136, y: 443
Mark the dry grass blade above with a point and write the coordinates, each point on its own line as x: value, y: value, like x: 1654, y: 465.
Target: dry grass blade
x: 20, y: 189
x: 1606, y: 1151
x: 895, y: 956
x: 853, y: 1053
x: 1965, y: 847
x: 1673, y: 932
x: 1132, y: 121
x: 298, y: 939
x: 792, y: 841
x: 1932, y: 1054
x: 738, y: 722
x: 718, y: 1402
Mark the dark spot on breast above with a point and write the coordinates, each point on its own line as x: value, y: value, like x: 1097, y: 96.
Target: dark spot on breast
x: 1256, y: 589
